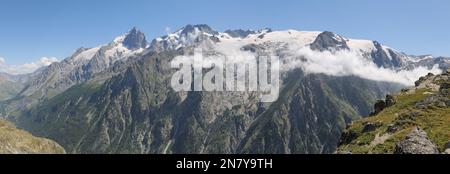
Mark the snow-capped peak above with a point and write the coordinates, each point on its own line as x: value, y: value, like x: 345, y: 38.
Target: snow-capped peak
x: 192, y: 29
x: 186, y: 36
x: 130, y: 43
x: 329, y: 41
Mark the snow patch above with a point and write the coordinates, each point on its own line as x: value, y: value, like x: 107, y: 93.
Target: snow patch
x: 87, y: 55
x: 361, y: 45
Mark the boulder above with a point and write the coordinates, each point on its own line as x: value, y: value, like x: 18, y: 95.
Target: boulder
x: 447, y: 72
x: 417, y: 142
x: 444, y: 86
x: 369, y: 127
x: 379, y: 106
x: 392, y: 128
x: 420, y: 81
x: 347, y: 137
x: 390, y: 100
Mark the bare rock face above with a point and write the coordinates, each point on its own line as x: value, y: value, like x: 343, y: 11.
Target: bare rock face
x: 417, y: 142
x: 329, y: 41
x: 135, y: 39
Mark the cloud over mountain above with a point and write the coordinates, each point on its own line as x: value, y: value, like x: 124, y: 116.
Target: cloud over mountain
x: 350, y: 63
x: 27, y: 67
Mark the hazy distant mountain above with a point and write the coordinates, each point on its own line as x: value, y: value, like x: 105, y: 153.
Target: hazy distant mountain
x: 9, y: 87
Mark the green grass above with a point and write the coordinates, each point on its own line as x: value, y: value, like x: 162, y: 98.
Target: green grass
x: 434, y: 120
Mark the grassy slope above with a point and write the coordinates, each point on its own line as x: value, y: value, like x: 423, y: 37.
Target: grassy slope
x: 13, y: 140
x: 434, y: 119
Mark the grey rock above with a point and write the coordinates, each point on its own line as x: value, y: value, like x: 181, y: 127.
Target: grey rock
x: 380, y: 57
x: 417, y: 142
x: 135, y: 39
x: 447, y: 148
x: 329, y: 41
x: 347, y: 137
x: 188, y: 29
x: 240, y: 33
x: 447, y: 145
x: 392, y: 128
x: 405, y: 90
x: 190, y: 35
x: 379, y: 106
x: 344, y: 152
x: 369, y: 127
x: 390, y: 100
x: 444, y: 86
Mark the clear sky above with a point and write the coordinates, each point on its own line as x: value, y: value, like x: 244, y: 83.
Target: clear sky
x: 31, y: 29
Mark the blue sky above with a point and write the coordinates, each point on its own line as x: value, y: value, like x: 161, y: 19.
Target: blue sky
x: 31, y: 29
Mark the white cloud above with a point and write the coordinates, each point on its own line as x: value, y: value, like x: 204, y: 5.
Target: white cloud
x: 345, y: 63
x: 336, y: 63
x: 168, y: 30
x: 2, y: 61
x: 26, y: 68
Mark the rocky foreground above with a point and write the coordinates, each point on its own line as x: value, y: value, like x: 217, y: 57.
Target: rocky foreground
x: 415, y: 121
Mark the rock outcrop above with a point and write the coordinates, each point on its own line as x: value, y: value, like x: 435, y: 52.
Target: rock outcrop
x: 417, y: 142
x: 380, y: 105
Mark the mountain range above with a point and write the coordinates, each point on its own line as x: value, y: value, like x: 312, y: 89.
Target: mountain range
x: 116, y: 98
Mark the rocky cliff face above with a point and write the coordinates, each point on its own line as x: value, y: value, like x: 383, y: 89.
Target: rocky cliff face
x: 135, y: 39
x: 418, y: 122
x: 15, y: 141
